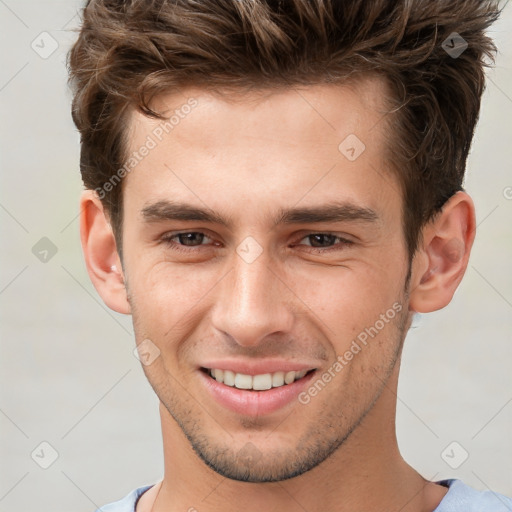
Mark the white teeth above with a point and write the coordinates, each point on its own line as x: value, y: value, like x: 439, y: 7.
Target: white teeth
x: 299, y: 375
x: 229, y: 378
x: 257, y: 382
x: 243, y: 381
x: 278, y: 379
x: 261, y: 382
x: 289, y: 377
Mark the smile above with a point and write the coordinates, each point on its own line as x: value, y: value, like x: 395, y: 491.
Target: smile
x: 259, y: 382
x: 255, y: 395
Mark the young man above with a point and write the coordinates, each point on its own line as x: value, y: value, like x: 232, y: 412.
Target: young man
x: 274, y: 188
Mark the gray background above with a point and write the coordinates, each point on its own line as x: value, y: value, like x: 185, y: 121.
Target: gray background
x: 68, y: 373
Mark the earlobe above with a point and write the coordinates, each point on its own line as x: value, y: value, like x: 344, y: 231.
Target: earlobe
x: 100, y: 253
x: 443, y: 257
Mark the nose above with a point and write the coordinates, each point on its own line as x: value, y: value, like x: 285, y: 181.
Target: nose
x: 253, y: 302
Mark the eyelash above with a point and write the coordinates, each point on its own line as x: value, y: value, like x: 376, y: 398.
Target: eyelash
x: 167, y: 239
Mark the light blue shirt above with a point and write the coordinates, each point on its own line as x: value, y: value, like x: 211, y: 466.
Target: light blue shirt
x: 459, y: 498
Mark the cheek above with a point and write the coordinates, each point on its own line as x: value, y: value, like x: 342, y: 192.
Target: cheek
x: 345, y: 299
x: 370, y: 353
x: 167, y: 296
x: 349, y: 299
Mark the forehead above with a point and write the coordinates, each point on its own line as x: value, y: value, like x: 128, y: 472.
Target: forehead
x: 231, y: 151
x: 355, y: 106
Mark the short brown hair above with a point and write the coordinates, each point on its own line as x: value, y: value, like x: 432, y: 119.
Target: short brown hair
x: 130, y: 51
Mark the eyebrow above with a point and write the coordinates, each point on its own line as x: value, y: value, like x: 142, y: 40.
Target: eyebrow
x: 165, y: 210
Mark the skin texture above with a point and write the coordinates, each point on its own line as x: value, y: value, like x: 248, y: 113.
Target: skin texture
x: 245, y: 157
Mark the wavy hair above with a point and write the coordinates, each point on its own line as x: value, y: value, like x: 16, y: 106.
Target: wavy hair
x: 130, y: 51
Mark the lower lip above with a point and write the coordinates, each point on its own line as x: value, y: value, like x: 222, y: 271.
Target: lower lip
x: 254, y: 403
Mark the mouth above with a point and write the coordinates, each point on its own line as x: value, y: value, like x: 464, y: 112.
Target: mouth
x: 261, y: 382
x: 255, y: 395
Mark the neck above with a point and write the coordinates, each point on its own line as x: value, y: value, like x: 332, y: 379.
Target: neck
x: 365, y: 472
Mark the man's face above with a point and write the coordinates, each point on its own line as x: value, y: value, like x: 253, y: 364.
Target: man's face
x: 264, y: 291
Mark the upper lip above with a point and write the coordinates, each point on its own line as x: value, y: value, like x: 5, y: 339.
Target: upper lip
x: 259, y: 367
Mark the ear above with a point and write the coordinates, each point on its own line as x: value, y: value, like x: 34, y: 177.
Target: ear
x: 100, y: 253
x: 443, y: 255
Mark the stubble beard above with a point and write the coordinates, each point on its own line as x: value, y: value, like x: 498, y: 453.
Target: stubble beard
x: 252, y: 464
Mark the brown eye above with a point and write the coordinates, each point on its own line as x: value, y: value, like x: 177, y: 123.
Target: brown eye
x: 190, y: 239
x: 324, y: 242
x: 321, y: 239
x: 184, y: 241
